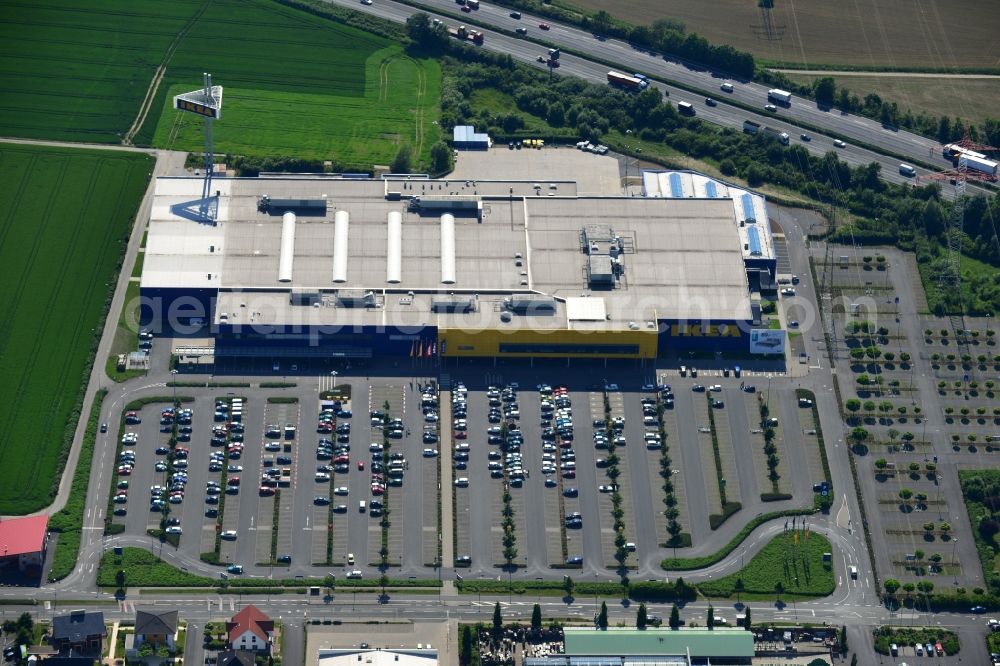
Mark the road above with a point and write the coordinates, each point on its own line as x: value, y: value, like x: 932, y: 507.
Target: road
x: 791, y: 120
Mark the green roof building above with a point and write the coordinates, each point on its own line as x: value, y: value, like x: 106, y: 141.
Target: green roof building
x: 616, y: 647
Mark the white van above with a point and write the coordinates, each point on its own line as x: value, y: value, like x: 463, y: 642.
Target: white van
x: 907, y: 170
x: 362, y: 505
x: 726, y: 87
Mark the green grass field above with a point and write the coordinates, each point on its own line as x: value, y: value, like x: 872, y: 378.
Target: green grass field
x: 797, y: 563
x: 295, y: 84
x: 66, y: 218
x: 395, y: 103
x: 78, y: 71
x: 351, y: 97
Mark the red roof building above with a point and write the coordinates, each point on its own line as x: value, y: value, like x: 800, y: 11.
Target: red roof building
x: 24, y: 539
x: 250, y: 629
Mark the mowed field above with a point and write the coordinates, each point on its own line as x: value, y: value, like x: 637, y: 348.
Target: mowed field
x: 972, y: 99
x: 396, y: 104
x: 299, y: 85
x: 864, y: 33
x: 78, y: 71
x: 66, y: 217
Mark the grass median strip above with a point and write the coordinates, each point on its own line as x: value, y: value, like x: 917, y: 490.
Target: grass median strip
x: 69, y: 521
x: 790, y: 565
x: 691, y: 563
x: 715, y: 520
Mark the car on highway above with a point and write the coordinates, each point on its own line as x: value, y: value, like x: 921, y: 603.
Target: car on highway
x: 515, y: 15
x: 839, y: 144
x: 770, y: 107
x: 805, y: 137
x: 366, y: 2
x: 544, y: 26
x: 710, y: 102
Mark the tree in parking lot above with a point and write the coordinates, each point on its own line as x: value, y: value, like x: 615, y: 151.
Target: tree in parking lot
x: 891, y: 585
x: 536, y: 617
x: 853, y: 405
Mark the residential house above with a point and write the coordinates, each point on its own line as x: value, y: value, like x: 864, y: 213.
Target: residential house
x: 250, y: 629
x: 236, y: 658
x: 156, y: 627
x: 78, y: 633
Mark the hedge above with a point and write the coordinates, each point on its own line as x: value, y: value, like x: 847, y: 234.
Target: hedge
x: 689, y: 563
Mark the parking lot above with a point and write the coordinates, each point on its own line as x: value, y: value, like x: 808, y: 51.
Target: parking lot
x: 278, y: 489
x: 267, y: 479
x: 548, y: 446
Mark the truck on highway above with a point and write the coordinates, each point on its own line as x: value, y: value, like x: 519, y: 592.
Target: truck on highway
x: 685, y: 108
x: 752, y: 127
x: 782, y: 137
x: 779, y: 96
x: 461, y: 32
x: 627, y: 82
x: 982, y: 165
x: 472, y: 4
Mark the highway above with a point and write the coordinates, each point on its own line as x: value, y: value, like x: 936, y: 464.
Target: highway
x: 790, y: 120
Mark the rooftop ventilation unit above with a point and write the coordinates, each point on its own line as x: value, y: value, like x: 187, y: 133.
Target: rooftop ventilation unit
x: 357, y: 300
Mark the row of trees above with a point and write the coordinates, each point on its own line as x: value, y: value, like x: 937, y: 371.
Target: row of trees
x: 912, y: 218
x: 671, y: 512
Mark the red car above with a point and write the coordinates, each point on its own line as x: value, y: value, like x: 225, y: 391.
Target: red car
x: 569, y: 473
x: 233, y: 481
x: 466, y: 9
x: 266, y: 491
x: 543, y: 26
x: 361, y: 465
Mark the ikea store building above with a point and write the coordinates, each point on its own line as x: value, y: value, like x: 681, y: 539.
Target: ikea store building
x: 330, y: 267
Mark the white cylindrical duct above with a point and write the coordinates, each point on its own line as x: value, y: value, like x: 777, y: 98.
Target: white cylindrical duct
x: 394, y: 249
x: 341, y: 220
x: 448, y: 248
x: 286, y: 256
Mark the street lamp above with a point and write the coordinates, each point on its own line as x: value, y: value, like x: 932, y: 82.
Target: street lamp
x: 333, y: 373
x: 173, y: 381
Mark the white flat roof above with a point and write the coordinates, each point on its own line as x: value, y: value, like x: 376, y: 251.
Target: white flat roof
x: 682, y: 258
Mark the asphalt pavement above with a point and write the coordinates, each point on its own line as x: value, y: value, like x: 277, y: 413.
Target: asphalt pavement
x: 834, y: 123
